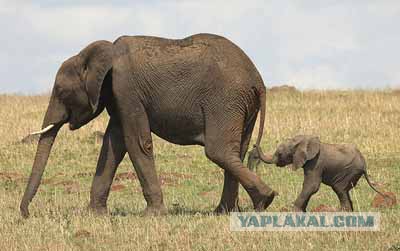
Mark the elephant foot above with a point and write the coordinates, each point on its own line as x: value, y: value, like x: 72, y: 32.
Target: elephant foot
x: 98, y: 210
x: 346, y: 209
x: 24, y: 211
x: 264, y: 201
x: 224, y: 208
x: 297, y: 209
x: 155, y: 211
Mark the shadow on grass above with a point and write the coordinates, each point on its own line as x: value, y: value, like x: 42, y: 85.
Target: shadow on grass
x: 182, y: 210
x: 176, y: 210
x: 124, y: 212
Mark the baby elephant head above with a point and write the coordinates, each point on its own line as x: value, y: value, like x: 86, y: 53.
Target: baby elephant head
x: 296, y: 151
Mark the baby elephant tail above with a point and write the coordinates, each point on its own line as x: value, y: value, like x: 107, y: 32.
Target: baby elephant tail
x: 372, y: 186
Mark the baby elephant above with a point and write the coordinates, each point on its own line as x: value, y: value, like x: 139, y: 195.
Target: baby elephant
x: 338, y: 166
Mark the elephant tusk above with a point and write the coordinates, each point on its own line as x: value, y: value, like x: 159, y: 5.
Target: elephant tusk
x: 48, y: 128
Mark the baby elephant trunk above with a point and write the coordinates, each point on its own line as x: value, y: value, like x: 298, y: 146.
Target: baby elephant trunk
x: 256, y: 156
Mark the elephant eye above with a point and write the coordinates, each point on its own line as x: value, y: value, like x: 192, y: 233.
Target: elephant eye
x: 85, y: 68
x: 63, y: 94
x: 81, y: 71
x: 60, y: 92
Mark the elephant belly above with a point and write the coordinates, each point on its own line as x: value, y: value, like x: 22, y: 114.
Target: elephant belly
x: 178, y: 127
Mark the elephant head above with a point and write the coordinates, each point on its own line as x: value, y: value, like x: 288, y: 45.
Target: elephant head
x: 296, y: 151
x: 79, y: 94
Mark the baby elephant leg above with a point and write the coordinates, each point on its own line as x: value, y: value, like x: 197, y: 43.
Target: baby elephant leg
x: 344, y: 197
x: 311, y: 185
x: 343, y: 187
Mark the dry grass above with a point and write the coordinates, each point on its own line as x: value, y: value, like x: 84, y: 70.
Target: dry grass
x: 192, y: 184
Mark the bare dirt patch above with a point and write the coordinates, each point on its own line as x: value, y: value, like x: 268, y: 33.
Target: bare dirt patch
x: 117, y: 187
x: 384, y: 202
x: 284, y: 209
x: 69, y: 186
x: 209, y: 194
x: 81, y: 234
x: 324, y: 208
x: 82, y: 174
x: 13, y: 176
x: 10, y: 175
x: 173, y: 178
x: 125, y: 176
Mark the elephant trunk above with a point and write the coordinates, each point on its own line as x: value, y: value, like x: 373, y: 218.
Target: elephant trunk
x: 256, y: 155
x: 42, y: 154
x: 267, y: 158
x: 56, y: 115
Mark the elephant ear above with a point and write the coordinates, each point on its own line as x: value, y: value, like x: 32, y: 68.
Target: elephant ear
x: 96, y: 63
x: 307, y: 148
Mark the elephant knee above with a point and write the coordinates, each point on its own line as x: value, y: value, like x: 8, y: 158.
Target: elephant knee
x: 146, y: 146
x: 313, y: 188
x: 225, y: 160
x: 215, y: 155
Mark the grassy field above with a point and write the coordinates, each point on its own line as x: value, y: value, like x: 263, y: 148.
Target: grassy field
x: 192, y: 184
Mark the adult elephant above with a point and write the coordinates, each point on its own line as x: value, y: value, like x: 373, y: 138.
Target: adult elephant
x: 200, y: 90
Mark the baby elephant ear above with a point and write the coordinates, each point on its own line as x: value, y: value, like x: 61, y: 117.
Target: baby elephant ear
x: 306, y: 150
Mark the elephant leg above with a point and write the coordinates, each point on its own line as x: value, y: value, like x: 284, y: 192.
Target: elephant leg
x: 344, y: 198
x: 230, y: 193
x: 311, y: 185
x: 138, y: 141
x: 112, y: 152
x: 343, y: 187
x: 222, y: 146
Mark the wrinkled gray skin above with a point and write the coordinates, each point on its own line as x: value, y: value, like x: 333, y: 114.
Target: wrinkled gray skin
x: 201, y: 90
x: 338, y: 166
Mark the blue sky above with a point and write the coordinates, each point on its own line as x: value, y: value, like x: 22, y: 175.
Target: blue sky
x: 309, y: 44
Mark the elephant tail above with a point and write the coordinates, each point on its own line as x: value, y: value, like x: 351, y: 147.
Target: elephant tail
x: 367, y: 177
x: 262, y: 102
x: 256, y: 154
x: 372, y: 186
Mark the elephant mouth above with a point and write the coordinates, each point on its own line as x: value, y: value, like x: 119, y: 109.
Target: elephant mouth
x: 77, y: 122
x: 72, y: 124
x: 281, y: 163
x: 278, y: 162
x: 73, y: 127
